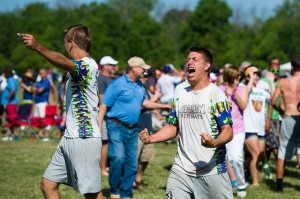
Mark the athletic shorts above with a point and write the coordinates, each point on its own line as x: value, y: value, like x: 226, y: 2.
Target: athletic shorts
x: 181, y: 185
x: 145, y: 152
x: 289, y: 137
x: 272, y: 141
x: 40, y: 109
x: 76, y: 163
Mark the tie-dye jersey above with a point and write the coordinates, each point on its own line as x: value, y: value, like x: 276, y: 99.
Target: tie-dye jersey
x: 196, y: 112
x: 82, y: 100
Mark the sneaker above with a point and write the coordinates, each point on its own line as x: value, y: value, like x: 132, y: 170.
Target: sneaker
x: 45, y: 140
x: 267, y: 171
x: 241, y: 193
x: 7, y: 138
x: 16, y: 138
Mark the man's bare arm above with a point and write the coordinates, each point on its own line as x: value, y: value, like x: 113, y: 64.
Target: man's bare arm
x: 102, y: 112
x: 53, y: 57
x: 166, y: 133
x: 225, y: 136
x: 276, y: 95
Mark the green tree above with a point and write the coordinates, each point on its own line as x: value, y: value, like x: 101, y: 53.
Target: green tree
x: 208, y: 26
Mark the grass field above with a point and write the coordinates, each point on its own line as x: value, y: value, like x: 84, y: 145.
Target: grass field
x: 23, y: 163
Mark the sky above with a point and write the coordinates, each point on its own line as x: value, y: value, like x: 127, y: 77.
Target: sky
x: 262, y: 8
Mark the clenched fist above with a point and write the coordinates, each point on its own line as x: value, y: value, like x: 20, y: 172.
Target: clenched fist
x: 144, y: 136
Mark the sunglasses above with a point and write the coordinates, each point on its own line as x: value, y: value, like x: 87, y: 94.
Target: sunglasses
x: 275, y: 71
x: 258, y: 73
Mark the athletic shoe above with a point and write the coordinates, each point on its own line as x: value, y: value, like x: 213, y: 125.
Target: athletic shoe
x: 267, y: 172
x: 45, y: 140
x: 241, y: 193
x: 7, y: 138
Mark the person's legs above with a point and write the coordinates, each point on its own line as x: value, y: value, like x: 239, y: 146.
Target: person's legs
x: 130, y: 163
x: 253, y: 148
x: 231, y: 174
x: 279, y: 174
x: 145, y: 155
x: 235, y: 156
x: 104, y: 149
x: 180, y: 185
x: 50, y: 189
x: 263, y: 157
x: 116, y: 155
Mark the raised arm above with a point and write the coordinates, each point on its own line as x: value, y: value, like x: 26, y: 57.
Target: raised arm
x: 53, y: 57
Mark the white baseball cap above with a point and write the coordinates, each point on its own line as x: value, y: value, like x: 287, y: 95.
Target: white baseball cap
x: 108, y: 60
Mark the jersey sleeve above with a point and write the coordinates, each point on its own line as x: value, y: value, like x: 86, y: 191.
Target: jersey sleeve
x: 82, y: 72
x: 222, y: 112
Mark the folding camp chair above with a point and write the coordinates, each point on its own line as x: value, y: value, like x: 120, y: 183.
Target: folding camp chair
x: 50, y: 120
x: 24, y: 116
x: 11, y: 115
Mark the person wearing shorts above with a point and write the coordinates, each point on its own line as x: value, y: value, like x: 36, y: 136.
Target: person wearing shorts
x: 289, y: 89
x: 200, y: 116
x: 254, y: 119
x: 76, y: 161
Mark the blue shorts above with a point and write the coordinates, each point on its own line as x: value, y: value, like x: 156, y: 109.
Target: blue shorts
x: 250, y: 134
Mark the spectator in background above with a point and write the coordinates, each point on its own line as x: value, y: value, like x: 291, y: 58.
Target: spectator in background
x: 61, y: 91
x: 243, y: 66
x: 254, y: 119
x: 289, y: 138
x: 41, y: 92
x: 27, y: 88
x: 2, y: 87
x: 145, y: 151
x: 238, y: 96
x: 121, y: 104
x: 107, y: 65
x: 9, y: 96
x: 273, y: 118
x: 167, y: 82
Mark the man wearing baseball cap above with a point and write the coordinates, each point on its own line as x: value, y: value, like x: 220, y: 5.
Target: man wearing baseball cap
x: 106, y: 71
x: 121, y: 104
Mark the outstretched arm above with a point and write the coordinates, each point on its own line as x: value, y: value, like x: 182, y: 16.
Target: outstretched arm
x: 53, y: 57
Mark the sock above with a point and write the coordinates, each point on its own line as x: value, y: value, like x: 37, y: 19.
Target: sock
x: 233, y: 183
x: 279, y: 185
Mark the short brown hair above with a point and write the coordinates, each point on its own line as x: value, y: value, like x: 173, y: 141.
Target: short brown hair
x: 230, y: 74
x: 81, y: 36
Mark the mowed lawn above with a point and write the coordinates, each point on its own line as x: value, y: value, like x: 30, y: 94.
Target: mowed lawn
x: 23, y: 163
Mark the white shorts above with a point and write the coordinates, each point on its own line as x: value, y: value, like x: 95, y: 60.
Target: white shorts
x: 76, y: 162
x: 181, y: 185
x: 40, y: 109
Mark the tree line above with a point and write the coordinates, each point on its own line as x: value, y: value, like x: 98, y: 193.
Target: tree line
x: 125, y: 28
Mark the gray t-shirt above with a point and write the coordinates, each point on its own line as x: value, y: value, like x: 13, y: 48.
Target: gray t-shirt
x: 103, y: 83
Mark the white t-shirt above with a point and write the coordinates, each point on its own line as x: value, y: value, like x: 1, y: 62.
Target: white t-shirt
x: 82, y: 100
x: 166, y: 85
x: 196, y: 112
x: 254, y: 114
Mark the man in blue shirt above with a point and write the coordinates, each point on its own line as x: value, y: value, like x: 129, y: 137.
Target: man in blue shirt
x: 121, y: 104
x: 41, y: 99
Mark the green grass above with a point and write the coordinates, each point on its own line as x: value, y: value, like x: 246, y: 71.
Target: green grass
x: 23, y: 163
